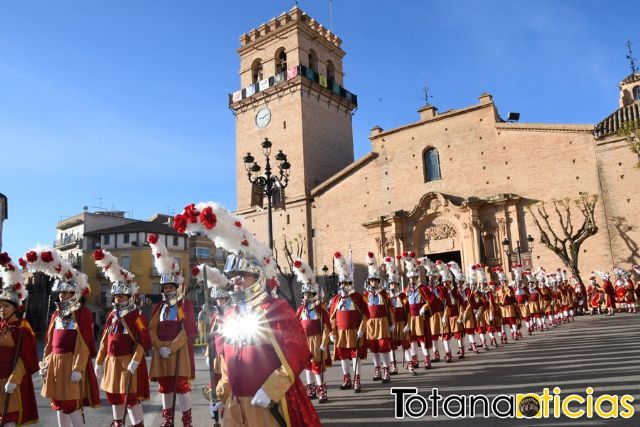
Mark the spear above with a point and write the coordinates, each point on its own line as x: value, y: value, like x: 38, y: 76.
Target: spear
x: 211, y: 354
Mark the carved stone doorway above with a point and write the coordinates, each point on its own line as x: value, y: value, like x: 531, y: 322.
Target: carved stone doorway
x: 447, y: 257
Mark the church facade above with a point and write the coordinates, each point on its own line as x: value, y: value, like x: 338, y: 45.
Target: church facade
x: 452, y: 185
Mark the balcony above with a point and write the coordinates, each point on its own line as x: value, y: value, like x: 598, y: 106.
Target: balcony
x: 291, y: 73
x: 68, y: 241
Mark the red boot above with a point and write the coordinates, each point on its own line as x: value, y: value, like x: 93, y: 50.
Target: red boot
x: 412, y: 369
x: 167, y: 415
x: 427, y: 362
x: 414, y: 360
x: 186, y: 419
x: 116, y: 423
x: 436, y: 356
x: 322, y: 393
x: 346, y: 382
x: 311, y: 391
x: 385, y: 375
x: 461, y: 354
x: 448, y: 357
x: 356, y: 383
x: 377, y: 376
x: 474, y: 348
x: 394, y: 368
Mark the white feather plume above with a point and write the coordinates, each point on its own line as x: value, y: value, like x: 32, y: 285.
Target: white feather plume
x: 114, y: 272
x: 215, y: 278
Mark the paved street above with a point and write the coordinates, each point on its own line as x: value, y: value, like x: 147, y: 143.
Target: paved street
x: 600, y: 352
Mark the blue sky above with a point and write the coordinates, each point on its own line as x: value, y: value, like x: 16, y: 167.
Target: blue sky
x: 126, y: 100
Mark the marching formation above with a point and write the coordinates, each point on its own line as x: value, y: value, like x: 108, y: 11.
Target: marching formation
x: 257, y: 345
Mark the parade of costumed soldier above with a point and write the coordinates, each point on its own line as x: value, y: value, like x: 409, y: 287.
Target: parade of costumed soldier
x: 534, y: 301
x: 67, y: 371
x: 218, y: 287
x: 265, y: 348
x: 379, y: 320
x: 173, y: 332
x: 489, y: 305
x: 400, y: 333
x: 465, y: 322
x: 348, y: 316
x: 121, y: 361
x: 314, y: 318
x: 420, y: 309
x: 18, y: 351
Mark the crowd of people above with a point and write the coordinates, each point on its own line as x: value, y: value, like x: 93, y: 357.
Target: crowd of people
x: 258, y: 346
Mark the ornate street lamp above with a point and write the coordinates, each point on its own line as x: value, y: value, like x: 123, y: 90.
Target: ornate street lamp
x: 518, y: 250
x: 268, y: 181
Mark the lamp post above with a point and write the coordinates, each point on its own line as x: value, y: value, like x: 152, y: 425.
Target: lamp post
x: 518, y: 250
x: 268, y: 181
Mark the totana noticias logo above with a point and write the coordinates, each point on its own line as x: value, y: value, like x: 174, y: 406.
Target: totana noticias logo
x: 409, y: 403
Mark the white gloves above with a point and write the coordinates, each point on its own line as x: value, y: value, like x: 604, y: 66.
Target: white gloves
x: 491, y: 318
x: 206, y: 362
x: 133, y: 365
x: 321, y: 348
x: 423, y: 310
x: 332, y: 338
x: 43, y: 371
x: 165, y: 352
x: 215, y: 407
x: 261, y: 399
x: 9, y: 388
x: 406, y: 329
x: 359, y: 334
x: 76, y: 376
x: 99, y: 371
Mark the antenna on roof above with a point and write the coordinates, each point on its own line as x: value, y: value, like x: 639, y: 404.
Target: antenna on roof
x: 632, y: 61
x: 426, y: 95
x: 330, y: 16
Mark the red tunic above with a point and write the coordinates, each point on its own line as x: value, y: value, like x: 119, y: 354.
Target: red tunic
x: 28, y: 412
x: 250, y: 365
x: 122, y: 344
x: 610, y: 293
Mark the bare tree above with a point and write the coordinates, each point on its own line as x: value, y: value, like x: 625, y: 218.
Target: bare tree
x: 567, y: 241
x: 631, y: 132
x: 292, y: 250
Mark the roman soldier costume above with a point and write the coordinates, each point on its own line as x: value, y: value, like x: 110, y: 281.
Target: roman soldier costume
x: 380, y: 320
x: 173, y: 331
x: 473, y: 318
x: 420, y: 309
x: 453, y: 321
x: 535, y: 300
x: 594, y: 294
x: 264, y: 345
x: 609, y: 292
x: 18, y: 353
x: 314, y: 318
x: 479, y: 305
x: 348, y: 316
x: 67, y: 372
x: 522, y: 300
x: 506, y: 299
x: 489, y: 306
x: 125, y: 340
x: 400, y: 333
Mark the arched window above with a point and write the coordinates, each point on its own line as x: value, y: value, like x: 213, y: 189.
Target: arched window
x: 636, y: 93
x: 281, y: 61
x: 313, y: 60
x: 431, y: 162
x: 331, y: 72
x: 256, y: 71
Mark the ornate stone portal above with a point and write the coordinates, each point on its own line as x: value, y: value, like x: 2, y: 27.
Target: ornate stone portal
x: 443, y: 223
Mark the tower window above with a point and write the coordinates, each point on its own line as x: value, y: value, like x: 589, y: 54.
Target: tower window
x: 431, y: 161
x: 281, y: 61
x: 313, y: 60
x: 331, y: 72
x: 256, y: 71
x: 636, y: 93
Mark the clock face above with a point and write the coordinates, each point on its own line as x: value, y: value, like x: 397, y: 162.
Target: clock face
x: 263, y: 117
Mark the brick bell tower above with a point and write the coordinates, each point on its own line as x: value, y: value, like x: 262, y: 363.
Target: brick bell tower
x: 292, y: 93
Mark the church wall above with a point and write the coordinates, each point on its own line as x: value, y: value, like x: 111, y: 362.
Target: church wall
x: 478, y: 157
x: 620, y: 182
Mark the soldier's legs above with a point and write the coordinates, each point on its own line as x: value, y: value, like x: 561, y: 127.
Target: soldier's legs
x: 136, y: 414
